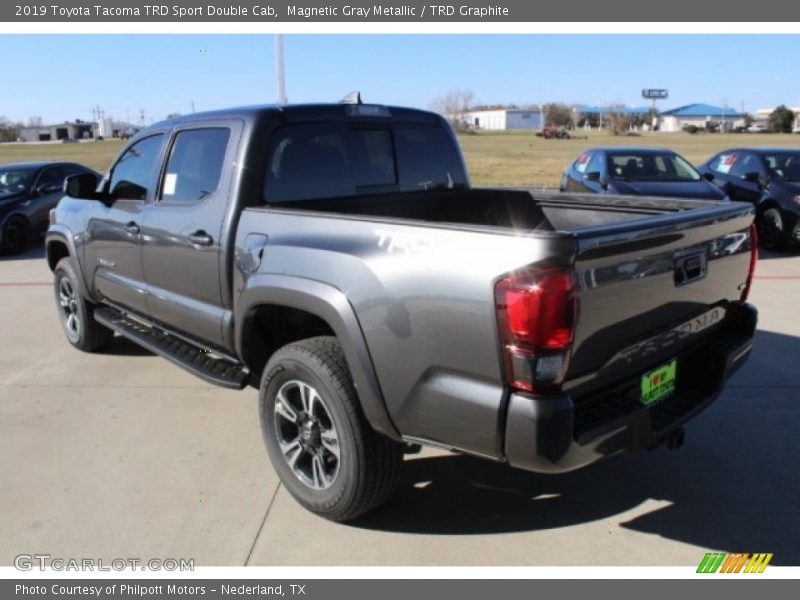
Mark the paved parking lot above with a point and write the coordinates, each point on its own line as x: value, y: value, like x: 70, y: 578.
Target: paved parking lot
x: 122, y: 454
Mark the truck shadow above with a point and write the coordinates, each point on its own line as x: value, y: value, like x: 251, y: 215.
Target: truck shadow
x: 733, y: 486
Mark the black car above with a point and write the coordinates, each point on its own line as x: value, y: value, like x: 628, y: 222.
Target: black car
x: 769, y: 178
x: 28, y: 190
x: 637, y: 172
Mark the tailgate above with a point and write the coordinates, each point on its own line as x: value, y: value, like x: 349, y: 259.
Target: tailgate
x: 652, y: 288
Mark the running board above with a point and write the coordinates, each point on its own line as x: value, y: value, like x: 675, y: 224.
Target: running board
x: 198, y: 361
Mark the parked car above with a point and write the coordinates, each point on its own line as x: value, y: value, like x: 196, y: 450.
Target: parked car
x: 336, y: 258
x: 639, y: 172
x: 28, y: 191
x: 768, y: 178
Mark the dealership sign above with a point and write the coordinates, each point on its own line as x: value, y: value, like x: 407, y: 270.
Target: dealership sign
x: 655, y: 94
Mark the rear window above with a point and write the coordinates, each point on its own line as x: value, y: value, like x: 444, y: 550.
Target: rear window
x: 330, y: 160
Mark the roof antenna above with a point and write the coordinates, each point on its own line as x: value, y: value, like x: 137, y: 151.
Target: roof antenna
x: 352, y: 98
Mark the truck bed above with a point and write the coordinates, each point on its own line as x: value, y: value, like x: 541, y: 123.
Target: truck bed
x: 419, y: 268
x: 517, y: 209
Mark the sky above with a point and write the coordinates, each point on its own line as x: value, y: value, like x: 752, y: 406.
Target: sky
x: 63, y: 77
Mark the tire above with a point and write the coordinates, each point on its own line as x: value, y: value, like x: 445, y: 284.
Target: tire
x: 317, y: 438
x: 771, y: 232
x: 16, y: 235
x: 76, y: 313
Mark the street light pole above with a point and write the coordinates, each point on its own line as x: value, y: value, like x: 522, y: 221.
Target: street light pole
x: 279, y: 70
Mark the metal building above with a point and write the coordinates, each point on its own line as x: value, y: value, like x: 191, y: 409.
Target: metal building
x: 503, y: 119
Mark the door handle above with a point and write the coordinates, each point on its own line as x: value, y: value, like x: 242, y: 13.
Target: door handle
x: 201, y: 238
x: 132, y: 227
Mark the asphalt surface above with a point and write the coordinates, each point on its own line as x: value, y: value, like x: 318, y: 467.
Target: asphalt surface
x: 123, y: 455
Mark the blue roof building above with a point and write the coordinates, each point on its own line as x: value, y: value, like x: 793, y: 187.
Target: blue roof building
x: 699, y: 115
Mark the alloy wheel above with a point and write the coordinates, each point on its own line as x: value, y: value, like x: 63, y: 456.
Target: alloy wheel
x: 306, y: 434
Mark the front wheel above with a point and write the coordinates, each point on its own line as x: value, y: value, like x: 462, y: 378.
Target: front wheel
x: 317, y: 438
x: 76, y: 313
x: 771, y: 233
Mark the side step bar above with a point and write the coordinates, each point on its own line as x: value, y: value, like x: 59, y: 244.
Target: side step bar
x: 198, y: 361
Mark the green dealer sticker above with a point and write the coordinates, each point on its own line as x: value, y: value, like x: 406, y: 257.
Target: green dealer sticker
x: 659, y: 383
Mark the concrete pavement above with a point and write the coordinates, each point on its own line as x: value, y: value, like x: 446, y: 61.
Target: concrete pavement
x: 122, y: 455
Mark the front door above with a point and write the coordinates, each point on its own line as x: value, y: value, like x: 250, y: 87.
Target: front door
x: 112, y: 258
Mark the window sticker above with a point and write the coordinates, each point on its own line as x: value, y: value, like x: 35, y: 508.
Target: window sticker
x: 170, y: 181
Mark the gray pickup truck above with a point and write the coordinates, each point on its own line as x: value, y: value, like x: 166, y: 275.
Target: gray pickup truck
x: 336, y: 257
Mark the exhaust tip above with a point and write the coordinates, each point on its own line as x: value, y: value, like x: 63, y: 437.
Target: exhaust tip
x: 675, y: 439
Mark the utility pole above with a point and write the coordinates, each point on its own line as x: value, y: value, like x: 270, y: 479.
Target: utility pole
x: 192, y: 106
x: 279, y: 70
x: 141, y: 116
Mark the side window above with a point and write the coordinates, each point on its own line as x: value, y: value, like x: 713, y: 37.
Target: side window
x: 195, y: 164
x: 582, y: 162
x: 723, y: 163
x: 595, y: 163
x: 746, y: 163
x: 51, y: 179
x: 135, y: 170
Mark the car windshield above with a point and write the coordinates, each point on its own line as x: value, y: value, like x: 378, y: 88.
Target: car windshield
x: 783, y: 165
x: 650, y: 166
x: 14, y: 180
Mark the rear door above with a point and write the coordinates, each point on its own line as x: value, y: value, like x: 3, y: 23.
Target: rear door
x: 113, y: 252
x: 184, y: 235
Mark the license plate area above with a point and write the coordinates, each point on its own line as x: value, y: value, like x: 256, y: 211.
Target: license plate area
x: 658, y: 384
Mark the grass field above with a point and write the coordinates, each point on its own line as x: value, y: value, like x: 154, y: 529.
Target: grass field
x: 502, y: 158
x: 524, y: 159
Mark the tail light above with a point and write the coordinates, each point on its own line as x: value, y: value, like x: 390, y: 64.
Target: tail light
x: 536, y: 321
x: 753, y: 260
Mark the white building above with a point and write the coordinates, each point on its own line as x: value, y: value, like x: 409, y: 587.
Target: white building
x: 503, y: 119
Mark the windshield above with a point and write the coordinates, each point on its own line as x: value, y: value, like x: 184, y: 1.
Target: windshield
x: 783, y: 165
x: 14, y: 180
x: 650, y: 166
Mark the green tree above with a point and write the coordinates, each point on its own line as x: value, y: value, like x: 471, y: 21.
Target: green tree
x: 781, y: 120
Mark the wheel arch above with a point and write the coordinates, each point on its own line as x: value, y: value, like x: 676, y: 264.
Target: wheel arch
x: 274, y: 310
x: 59, y: 244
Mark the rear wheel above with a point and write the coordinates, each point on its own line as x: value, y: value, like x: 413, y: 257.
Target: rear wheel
x: 76, y: 313
x: 16, y: 234
x: 317, y: 437
x: 771, y: 233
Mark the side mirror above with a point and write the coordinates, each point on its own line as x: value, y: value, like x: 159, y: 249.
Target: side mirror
x: 83, y: 185
x: 752, y: 176
x: 708, y: 176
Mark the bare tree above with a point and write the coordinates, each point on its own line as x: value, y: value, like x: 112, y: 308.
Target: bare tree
x: 618, y: 121
x: 34, y: 121
x: 453, y: 106
x: 9, y: 132
x: 558, y: 114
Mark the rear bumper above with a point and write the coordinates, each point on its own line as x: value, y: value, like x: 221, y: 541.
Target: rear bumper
x: 554, y: 433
